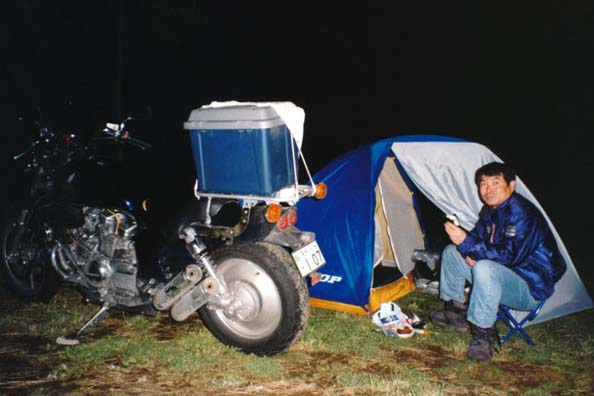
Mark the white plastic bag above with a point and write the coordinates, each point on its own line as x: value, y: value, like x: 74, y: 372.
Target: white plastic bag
x: 388, y: 314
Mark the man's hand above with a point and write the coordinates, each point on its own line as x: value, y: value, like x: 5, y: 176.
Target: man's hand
x: 456, y: 234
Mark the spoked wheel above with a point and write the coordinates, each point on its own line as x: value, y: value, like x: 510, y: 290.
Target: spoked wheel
x: 24, y: 263
x: 270, y: 306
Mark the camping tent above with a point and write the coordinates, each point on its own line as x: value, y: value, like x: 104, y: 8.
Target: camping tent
x: 370, y: 221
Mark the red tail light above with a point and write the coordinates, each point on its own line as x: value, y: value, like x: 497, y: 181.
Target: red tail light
x: 292, y: 217
x: 282, y: 223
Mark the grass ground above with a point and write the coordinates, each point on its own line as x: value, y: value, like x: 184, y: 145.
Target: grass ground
x: 339, y: 354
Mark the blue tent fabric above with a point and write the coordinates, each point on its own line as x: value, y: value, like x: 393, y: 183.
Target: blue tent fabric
x: 343, y: 223
x: 344, y: 220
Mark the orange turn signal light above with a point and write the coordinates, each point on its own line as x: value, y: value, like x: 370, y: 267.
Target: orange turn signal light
x: 273, y: 213
x: 321, y: 190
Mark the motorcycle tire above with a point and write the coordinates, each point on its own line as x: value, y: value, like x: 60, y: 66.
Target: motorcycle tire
x: 263, y: 278
x: 25, y: 266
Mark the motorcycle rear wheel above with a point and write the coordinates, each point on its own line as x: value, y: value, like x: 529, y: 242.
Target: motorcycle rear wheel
x: 24, y: 264
x: 266, y: 282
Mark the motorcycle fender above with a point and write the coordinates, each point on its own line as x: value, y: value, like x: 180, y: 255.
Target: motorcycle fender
x: 292, y: 237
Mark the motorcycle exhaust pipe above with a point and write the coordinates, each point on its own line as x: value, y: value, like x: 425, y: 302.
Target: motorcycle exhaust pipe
x: 60, y: 263
x: 177, y: 287
x: 193, y: 300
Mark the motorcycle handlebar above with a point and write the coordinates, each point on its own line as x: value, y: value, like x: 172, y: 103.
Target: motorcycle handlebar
x: 119, y: 132
x: 139, y: 143
x: 19, y: 156
x: 116, y: 132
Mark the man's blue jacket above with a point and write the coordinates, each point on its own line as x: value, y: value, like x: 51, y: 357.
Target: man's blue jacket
x: 516, y: 235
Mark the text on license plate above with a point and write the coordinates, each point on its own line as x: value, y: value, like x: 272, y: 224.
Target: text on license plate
x: 309, y: 258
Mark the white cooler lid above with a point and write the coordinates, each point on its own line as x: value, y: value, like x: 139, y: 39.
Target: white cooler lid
x: 292, y: 115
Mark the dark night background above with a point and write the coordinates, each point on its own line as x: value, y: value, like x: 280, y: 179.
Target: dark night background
x: 515, y: 76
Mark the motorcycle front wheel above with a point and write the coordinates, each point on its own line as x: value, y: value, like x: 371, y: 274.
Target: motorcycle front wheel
x: 270, y: 308
x: 24, y: 263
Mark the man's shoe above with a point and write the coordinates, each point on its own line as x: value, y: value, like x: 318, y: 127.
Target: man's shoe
x: 453, y: 315
x: 482, y: 343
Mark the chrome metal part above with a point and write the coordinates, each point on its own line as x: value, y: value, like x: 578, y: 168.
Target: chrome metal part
x: 199, y: 252
x: 255, y: 309
x: 100, y: 256
x: 95, y: 319
x: 177, y: 287
x: 62, y: 261
x: 194, y: 299
x: 65, y: 340
x: 208, y: 219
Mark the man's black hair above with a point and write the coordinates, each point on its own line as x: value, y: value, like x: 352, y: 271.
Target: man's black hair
x: 494, y: 169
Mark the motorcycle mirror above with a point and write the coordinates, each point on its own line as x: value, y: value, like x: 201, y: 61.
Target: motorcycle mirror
x: 113, y: 127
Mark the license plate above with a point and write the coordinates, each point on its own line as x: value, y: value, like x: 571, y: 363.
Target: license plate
x: 308, y: 258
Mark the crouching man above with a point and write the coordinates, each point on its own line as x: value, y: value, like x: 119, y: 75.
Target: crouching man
x: 509, y: 257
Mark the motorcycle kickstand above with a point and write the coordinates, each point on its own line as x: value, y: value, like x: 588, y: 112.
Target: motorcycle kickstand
x: 74, y: 340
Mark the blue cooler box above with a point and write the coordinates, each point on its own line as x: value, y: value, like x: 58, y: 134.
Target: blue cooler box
x: 241, y: 150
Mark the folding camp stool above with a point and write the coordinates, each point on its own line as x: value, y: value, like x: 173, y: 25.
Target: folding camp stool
x: 516, y: 327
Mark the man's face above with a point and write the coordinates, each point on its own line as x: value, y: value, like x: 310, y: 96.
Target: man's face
x: 494, y: 190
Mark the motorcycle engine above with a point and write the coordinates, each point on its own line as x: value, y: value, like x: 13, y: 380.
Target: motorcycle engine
x: 101, y: 254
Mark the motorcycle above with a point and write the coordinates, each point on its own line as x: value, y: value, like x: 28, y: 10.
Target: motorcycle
x: 242, y: 264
